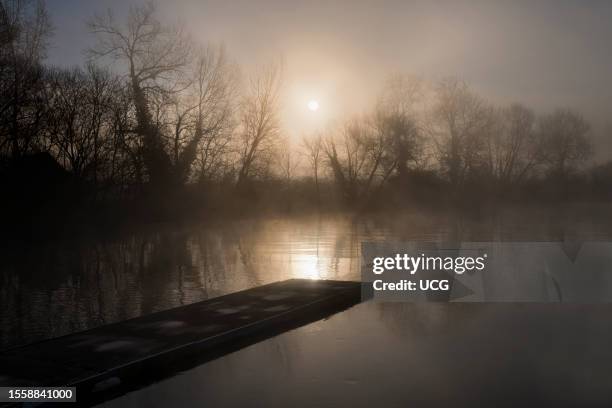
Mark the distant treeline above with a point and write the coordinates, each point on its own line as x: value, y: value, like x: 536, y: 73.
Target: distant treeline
x: 153, y: 116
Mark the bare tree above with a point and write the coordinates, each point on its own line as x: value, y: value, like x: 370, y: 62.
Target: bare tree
x: 156, y: 57
x: 80, y: 121
x: 402, y: 95
x: 347, y: 154
x: 125, y: 161
x: 564, y: 143
x: 25, y: 29
x: 512, y: 145
x: 400, y: 144
x: 460, y: 122
x: 288, y: 161
x: 369, y: 150
x: 259, y: 126
x: 214, y: 94
x: 313, y: 150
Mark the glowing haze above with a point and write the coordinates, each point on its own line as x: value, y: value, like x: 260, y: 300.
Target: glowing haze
x: 544, y: 54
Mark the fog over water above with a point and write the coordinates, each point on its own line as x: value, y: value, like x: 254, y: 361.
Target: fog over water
x: 180, y: 172
x: 55, y: 288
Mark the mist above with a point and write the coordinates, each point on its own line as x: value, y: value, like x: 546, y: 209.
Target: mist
x: 545, y: 55
x: 157, y: 156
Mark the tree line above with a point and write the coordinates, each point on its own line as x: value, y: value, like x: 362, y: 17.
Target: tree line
x: 449, y: 134
x: 153, y: 110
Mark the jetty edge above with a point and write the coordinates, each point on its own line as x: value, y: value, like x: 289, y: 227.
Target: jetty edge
x: 110, y: 360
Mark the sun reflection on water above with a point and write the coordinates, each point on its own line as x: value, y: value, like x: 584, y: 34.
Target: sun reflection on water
x: 308, y: 267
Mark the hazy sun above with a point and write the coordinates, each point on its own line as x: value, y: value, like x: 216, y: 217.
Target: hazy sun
x: 313, y: 105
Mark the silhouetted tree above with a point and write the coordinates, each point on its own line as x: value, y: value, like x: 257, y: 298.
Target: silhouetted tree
x: 126, y: 159
x: 313, y: 149
x: 156, y: 58
x: 80, y: 121
x: 459, y: 125
x: 564, y: 143
x: 24, y: 32
x: 288, y: 161
x: 347, y: 154
x: 369, y: 150
x: 213, y: 95
x: 512, y: 145
x: 259, y: 126
x: 402, y: 142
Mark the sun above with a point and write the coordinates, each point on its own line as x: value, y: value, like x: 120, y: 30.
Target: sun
x: 313, y: 105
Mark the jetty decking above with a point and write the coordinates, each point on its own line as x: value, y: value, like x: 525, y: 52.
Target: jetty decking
x: 150, y: 347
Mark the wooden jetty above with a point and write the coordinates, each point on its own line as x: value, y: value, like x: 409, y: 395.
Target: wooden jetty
x: 112, y: 359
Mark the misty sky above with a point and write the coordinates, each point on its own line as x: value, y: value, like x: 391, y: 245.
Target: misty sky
x: 545, y: 54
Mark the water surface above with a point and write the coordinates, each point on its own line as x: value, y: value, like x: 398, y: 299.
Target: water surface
x: 411, y: 355
x: 51, y: 289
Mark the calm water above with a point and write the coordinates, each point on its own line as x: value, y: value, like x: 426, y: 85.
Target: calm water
x: 62, y: 287
x: 411, y: 355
